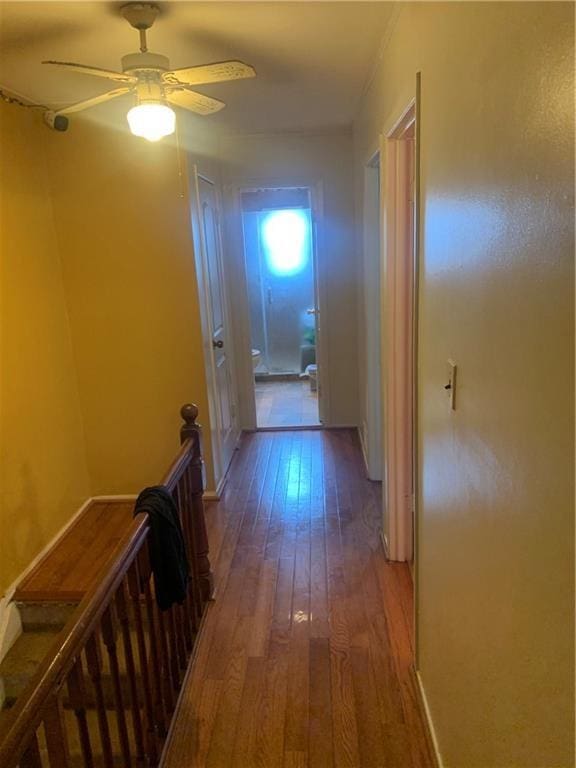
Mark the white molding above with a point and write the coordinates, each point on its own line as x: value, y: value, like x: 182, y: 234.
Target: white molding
x: 119, y: 497
x: 384, y: 542
x: 233, y: 189
x: 362, y: 432
x: 428, y: 714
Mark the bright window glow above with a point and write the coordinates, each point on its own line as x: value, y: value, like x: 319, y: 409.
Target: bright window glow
x: 151, y: 121
x: 285, y: 236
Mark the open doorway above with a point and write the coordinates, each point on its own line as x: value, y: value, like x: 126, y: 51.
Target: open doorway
x: 279, y: 249
x: 372, y: 425
x: 400, y: 266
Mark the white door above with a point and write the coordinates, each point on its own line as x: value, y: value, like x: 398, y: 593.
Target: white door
x: 215, y: 326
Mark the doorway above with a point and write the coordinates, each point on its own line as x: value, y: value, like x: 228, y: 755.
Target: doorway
x: 372, y: 425
x: 279, y: 256
x: 399, y: 342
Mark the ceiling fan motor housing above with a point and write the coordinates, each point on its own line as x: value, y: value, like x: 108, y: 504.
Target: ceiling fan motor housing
x: 133, y: 63
x: 140, y: 15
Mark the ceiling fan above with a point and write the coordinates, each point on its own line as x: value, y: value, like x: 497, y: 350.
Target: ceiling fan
x: 155, y: 86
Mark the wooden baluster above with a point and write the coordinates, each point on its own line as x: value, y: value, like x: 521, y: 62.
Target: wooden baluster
x: 124, y: 619
x: 154, y: 721
x: 56, y: 736
x: 94, y: 670
x: 177, y: 632
x: 171, y: 676
x: 194, y: 591
x: 77, y: 696
x: 31, y: 757
x: 194, y: 598
x: 109, y: 634
x: 189, y: 608
x: 185, y: 617
x: 191, y: 430
x: 158, y: 653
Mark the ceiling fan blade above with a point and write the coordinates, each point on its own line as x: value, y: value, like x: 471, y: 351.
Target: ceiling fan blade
x: 80, y: 105
x: 209, y: 73
x: 195, y: 102
x: 97, y: 71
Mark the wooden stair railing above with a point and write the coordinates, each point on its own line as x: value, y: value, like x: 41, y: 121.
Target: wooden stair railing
x: 106, y: 691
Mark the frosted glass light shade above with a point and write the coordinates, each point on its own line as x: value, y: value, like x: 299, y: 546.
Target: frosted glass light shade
x: 151, y: 121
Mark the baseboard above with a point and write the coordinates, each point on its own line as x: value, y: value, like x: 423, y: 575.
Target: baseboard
x: 362, y: 435
x: 384, y: 542
x: 117, y: 497
x: 429, y: 722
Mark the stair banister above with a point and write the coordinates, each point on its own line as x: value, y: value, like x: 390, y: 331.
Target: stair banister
x: 117, y: 629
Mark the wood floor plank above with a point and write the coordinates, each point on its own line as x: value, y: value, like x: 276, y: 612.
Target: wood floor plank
x: 306, y: 655
x: 320, y: 736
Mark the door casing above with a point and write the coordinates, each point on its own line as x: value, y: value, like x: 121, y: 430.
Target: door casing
x: 239, y: 296
x: 399, y: 340
x: 371, y: 428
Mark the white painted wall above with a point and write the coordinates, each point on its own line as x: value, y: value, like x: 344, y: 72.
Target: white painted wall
x: 309, y: 160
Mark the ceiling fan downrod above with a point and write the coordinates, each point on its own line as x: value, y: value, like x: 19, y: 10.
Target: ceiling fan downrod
x: 141, y: 16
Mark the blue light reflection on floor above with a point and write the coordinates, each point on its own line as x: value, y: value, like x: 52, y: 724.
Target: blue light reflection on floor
x: 286, y: 240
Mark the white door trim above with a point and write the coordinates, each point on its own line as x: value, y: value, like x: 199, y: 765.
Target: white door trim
x: 399, y: 345
x: 240, y: 307
x: 371, y: 429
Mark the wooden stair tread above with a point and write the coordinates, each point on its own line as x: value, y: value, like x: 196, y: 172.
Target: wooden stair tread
x: 73, y: 565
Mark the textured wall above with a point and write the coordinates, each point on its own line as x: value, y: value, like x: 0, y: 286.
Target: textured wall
x: 123, y: 225
x: 43, y: 474
x: 496, y: 504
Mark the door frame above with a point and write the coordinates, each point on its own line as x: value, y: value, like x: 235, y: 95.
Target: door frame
x: 400, y: 345
x: 204, y: 300
x: 372, y: 429
x: 240, y: 305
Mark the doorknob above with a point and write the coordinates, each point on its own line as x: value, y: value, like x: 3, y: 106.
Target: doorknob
x: 217, y: 344
x: 312, y: 311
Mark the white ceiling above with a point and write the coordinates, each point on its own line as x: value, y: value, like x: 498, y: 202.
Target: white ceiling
x: 312, y: 58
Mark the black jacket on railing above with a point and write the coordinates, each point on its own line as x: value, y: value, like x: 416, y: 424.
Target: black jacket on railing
x: 167, y: 548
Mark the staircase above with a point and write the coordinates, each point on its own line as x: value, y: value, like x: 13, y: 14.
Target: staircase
x: 95, y: 676
x: 41, y: 625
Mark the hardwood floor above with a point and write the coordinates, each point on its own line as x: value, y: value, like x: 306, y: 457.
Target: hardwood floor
x: 305, y: 655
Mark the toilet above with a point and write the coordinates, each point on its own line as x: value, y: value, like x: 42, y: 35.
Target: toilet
x: 256, y: 356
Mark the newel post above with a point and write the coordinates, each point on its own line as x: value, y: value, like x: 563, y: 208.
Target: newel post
x: 190, y: 430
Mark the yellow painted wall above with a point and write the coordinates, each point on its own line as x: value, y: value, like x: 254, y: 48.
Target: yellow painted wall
x: 43, y: 473
x: 124, y: 232
x: 496, y: 504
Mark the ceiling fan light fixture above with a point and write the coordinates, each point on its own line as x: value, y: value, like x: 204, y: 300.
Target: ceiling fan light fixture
x: 152, y: 120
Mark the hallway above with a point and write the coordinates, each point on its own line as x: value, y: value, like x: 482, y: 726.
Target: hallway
x: 305, y: 654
